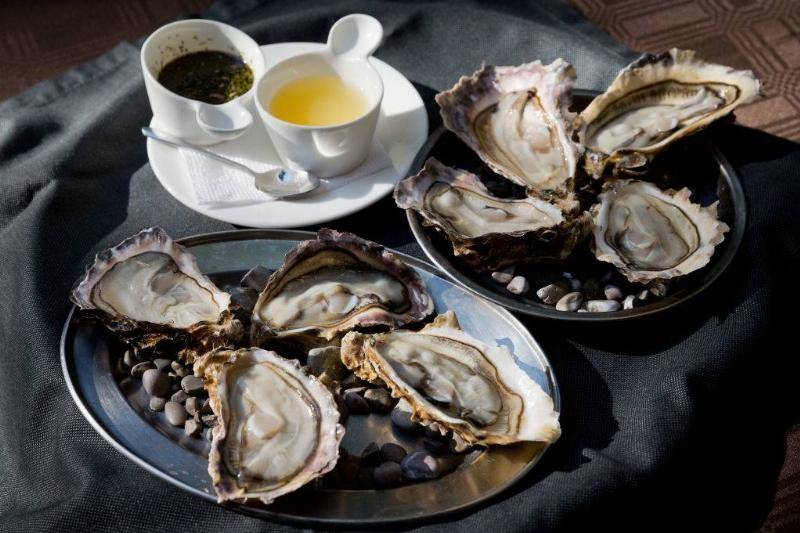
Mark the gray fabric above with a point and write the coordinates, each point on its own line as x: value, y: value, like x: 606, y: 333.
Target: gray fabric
x: 667, y: 422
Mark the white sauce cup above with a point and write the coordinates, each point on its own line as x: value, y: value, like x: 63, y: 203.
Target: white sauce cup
x: 328, y: 150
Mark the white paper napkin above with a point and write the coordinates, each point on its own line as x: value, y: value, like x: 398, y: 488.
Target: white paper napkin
x: 219, y: 185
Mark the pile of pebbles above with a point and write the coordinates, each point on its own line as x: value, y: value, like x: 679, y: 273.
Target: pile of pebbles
x: 571, y: 294
x: 174, y: 390
x: 388, y: 464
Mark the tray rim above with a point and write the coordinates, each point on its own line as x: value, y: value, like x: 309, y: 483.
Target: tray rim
x: 720, y: 264
x: 68, y: 332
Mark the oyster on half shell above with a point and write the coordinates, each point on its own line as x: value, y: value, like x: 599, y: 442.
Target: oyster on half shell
x: 278, y: 428
x: 655, y: 101
x: 453, y: 382
x: 650, y: 234
x: 334, y: 283
x: 517, y: 120
x: 489, y: 232
x: 148, y: 290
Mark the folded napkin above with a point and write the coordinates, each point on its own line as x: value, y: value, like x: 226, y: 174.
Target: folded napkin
x: 218, y: 185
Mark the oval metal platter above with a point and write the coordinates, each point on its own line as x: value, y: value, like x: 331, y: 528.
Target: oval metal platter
x: 712, y: 179
x: 116, y: 406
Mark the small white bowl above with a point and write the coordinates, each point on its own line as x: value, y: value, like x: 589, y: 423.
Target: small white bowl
x: 328, y: 150
x: 191, y: 120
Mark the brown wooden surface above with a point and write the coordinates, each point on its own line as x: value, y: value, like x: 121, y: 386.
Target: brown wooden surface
x: 40, y: 39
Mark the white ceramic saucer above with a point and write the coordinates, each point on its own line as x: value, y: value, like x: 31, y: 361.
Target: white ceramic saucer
x: 402, y: 128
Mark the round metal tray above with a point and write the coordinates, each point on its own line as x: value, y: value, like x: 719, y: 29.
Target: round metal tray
x: 718, y: 181
x: 117, y: 407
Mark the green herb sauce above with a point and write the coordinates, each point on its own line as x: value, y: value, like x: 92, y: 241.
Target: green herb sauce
x: 211, y: 77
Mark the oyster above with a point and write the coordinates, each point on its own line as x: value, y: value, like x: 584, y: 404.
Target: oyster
x: 278, y: 427
x: 653, y: 102
x: 149, y: 290
x: 517, y: 120
x: 453, y: 382
x: 489, y: 232
x: 334, y: 283
x: 650, y: 234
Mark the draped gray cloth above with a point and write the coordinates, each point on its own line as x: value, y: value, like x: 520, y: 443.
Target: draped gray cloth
x: 672, y: 421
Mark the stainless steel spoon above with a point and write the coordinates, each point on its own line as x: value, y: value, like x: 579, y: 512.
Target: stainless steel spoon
x: 279, y: 182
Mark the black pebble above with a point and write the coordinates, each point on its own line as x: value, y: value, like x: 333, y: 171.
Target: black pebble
x: 436, y: 446
x: 162, y: 364
x: 206, y: 409
x: 356, y: 404
x: 402, y: 419
x: 432, y: 433
x: 388, y: 474
x: 371, y: 456
x: 420, y: 465
x: 348, y: 468
x: 179, y: 397
x: 352, y: 381
x: 365, y: 477
x: 393, y: 452
x: 155, y: 382
x: 139, y: 369
x: 244, y: 297
x: 379, y: 400
x: 192, y: 385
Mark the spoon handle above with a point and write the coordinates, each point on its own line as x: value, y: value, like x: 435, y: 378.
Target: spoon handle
x: 168, y: 139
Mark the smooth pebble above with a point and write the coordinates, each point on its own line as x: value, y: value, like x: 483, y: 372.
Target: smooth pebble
x: 570, y: 302
x: 518, y: 285
x: 176, y: 414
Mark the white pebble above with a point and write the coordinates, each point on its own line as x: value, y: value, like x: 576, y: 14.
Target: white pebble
x: 603, y: 306
x: 518, y: 285
x: 612, y: 292
x: 570, y: 302
x: 503, y: 276
x: 629, y: 302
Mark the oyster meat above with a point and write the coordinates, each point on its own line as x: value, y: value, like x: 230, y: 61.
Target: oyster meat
x: 517, y: 120
x: 148, y: 289
x: 653, y: 102
x: 488, y: 232
x: 650, y: 234
x: 334, y: 283
x: 278, y: 428
x: 453, y: 382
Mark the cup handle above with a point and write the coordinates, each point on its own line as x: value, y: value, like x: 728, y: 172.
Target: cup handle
x: 224, y: 121
x: 355, y: 36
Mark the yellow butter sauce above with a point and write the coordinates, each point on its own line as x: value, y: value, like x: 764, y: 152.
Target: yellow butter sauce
x: 318, y: 101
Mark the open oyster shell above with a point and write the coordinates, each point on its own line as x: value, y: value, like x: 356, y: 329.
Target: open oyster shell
x: 149, y: 290
x: 650, y: 234
x: 489, y: 232
x: 517, y: 120
x: 334, y: 283
x: 655, y: 101
x: 453, y: 382
x: 278, y: 428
